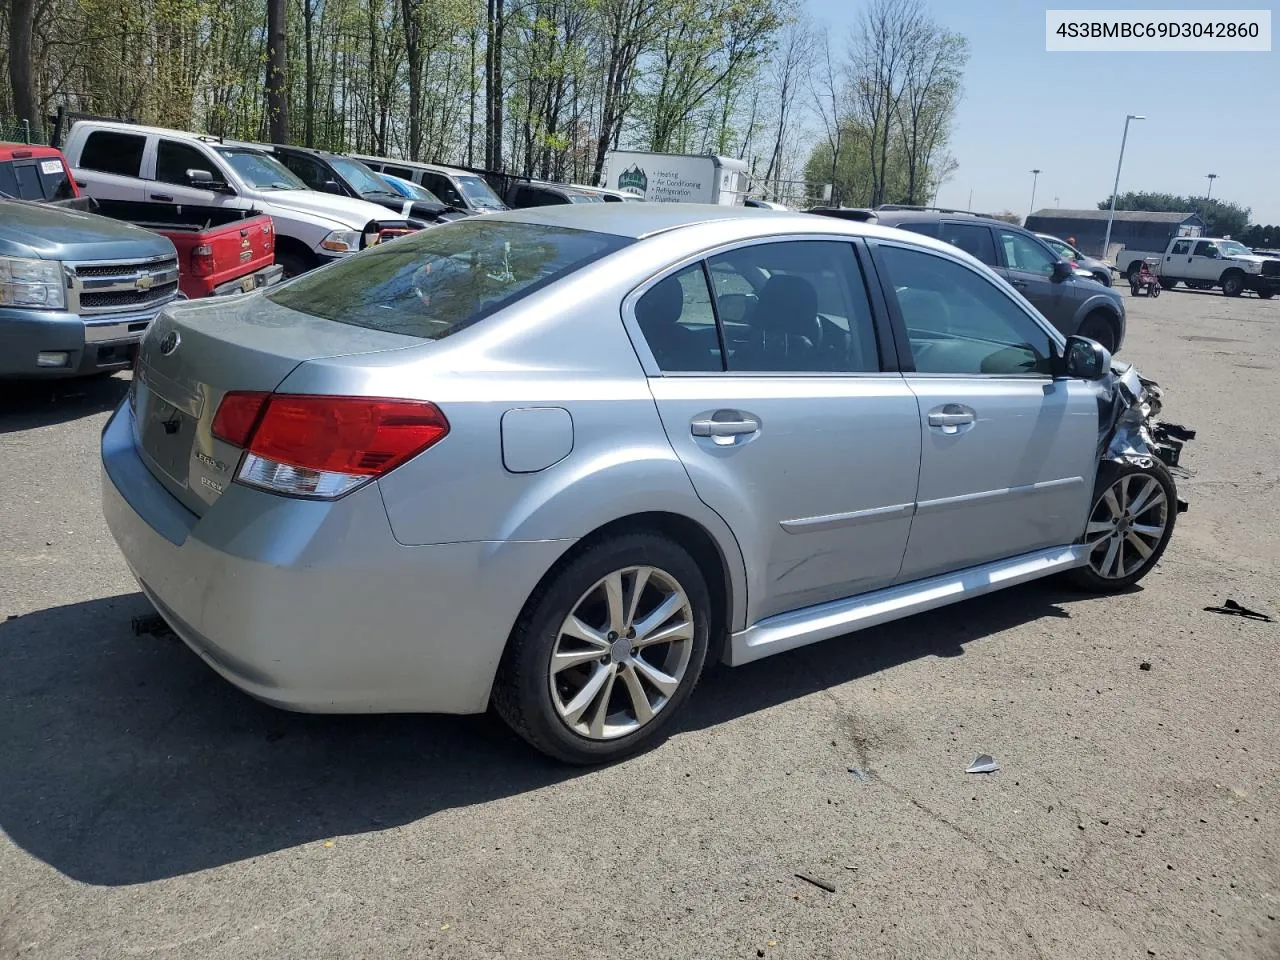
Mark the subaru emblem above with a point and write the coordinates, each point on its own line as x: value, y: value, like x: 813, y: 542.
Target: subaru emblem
x: 170, y: 343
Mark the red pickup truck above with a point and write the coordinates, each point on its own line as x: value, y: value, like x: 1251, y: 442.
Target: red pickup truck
x: 220, y: 251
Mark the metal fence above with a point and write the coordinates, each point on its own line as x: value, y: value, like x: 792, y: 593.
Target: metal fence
x: 19, y: 131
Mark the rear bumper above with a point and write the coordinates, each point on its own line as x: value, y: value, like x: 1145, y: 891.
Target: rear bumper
x: 314, y: 606
x: 91, y: 346
x: 266, y: 277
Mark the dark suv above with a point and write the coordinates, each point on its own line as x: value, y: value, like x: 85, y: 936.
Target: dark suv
x: 348, y: 177
x: 1072, y: 303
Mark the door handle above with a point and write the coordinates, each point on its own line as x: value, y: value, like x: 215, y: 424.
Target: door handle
x: 724, y: 423
x: 951, y: 419
x: 162, y: 197
x: 1018, y: 283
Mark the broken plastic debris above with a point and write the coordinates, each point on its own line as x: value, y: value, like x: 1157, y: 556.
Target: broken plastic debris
x: 859, y: 774
x: 328, y: 843
x: 984, y: 764
x: 1233, y: 609
x: 826, y: 885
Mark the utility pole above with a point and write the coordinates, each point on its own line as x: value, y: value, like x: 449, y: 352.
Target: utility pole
x: 1106, y: 243
x: 1035, y: 175
x: 1210, y: 177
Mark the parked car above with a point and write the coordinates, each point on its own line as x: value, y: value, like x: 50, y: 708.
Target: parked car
x: 77, y: 291
x: 763, y: 204
x: 539, y: 193
x: 458, y: 188
x: 121, y: 161
x: 439, y: 476
x: 1072, y: 302
x: 1203, y: 263
x: 1100, y: 270
x: 33, y: 172
x: 347, y: 177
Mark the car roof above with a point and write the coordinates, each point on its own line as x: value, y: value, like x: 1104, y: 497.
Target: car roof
x: 641, y: 220
x: 415, y: 165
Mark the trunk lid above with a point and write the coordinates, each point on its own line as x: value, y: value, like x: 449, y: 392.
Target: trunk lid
x: 195, y: 353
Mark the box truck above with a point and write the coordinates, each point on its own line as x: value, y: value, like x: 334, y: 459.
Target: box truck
x: 677, y: 178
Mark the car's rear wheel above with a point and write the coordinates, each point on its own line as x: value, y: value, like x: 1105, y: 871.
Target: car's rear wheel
x: 1168, y: 284
x: 608, y: 651
x: 1097, y: 326
x: 1129, y: 526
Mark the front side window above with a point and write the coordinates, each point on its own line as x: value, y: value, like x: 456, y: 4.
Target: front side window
x: 1025, y: 254
x: 439, y: 281
x: 807, y: 312
x: 361, y: 178
x: 109, y: 151
x: 174, y: 159
x: 678, y: 323
x: 306, y: 169
x: 442, y: 188
x: 973, y: 238
x: 1205, y: 248
x: 958, y: 322
x: 481, y: 193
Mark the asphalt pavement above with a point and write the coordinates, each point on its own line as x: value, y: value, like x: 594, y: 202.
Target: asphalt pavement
x: 149, y: 809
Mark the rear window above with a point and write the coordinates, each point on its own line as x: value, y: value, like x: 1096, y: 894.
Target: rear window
x: 109, y: 151
x: 439, y: 281
x: 38, y: 179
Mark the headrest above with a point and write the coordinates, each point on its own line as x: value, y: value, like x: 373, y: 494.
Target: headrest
x: 788, y: 305
x: 662, y: 305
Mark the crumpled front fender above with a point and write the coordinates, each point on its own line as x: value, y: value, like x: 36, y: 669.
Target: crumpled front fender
x: 1135, y: 434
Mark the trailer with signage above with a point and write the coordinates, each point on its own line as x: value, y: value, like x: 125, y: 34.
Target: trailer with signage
x: 677, y: 178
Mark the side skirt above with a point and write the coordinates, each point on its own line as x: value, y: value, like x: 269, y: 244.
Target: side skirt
x: 786, y: 631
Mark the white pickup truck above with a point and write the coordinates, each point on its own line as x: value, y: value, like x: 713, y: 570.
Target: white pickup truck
x: 1204, y: 263
x: 122, y: 161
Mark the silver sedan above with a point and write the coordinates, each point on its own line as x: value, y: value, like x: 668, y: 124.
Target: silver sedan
x: 559, y: 459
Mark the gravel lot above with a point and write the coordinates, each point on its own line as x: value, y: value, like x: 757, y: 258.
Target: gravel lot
x: 149, y: 809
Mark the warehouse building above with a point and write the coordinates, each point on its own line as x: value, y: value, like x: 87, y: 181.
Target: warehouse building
x: 1133, y: 229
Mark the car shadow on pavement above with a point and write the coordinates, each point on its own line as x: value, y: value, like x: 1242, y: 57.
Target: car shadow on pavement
x: 29, y: 404
x: 124, y: 759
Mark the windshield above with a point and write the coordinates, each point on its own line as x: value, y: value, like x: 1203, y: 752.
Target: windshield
x: 440, y: 281
x: 259, y: 170
x: 585, y: 198
x: 1060, y: 248
x: 1233, y: 248
x: 478, y: 192
x: 361, y: 179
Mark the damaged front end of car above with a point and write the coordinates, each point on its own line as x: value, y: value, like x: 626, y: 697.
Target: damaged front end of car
x: 1132, y: 431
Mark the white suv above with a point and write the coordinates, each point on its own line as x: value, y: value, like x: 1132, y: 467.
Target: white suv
x: 122, y: 161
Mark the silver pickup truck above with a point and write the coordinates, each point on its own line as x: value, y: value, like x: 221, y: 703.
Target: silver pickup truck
x: 77, y: 291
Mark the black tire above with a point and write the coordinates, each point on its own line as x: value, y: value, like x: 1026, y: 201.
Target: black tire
x: 522, y: 690
x: 1232, y: 283
x: 1155, y: 290
x: 1168, y: 284
x: 1133, y: 289
x: 1098, y: 326
x: 1265, y: 294
x: 1110, y: 473
x: 1103, y: 278
x: 1133, y: 271
x: 294, y: 263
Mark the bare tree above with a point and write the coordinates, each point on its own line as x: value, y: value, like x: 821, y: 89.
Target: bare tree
x: 932, y: 72
x: 827, y: 99
x: 877, y: 64
x: 786, y: 71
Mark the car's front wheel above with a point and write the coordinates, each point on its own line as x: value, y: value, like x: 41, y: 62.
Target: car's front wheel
x: 1130, y: 523
x: 607, y: 652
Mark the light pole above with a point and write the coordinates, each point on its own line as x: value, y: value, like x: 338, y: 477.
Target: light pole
x: 1035, y: 175
x: 1106, y: 243
x: 1210, y: 177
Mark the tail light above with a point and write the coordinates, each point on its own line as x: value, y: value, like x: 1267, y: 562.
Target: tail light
x: 323, y: 447
x: 202, y: 260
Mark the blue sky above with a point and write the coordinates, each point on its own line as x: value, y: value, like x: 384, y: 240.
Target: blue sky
x: 1064, y: 113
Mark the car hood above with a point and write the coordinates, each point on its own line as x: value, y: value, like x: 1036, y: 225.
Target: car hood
x: 1248, y: 258
x: 348, y: 211
x: 57, y: 233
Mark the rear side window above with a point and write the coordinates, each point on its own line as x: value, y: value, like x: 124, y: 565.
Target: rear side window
x: 973, y: 238
x: 404, y: 173
x: 439, y: 281
x: 109, y: 151
x: 924, y: 228
x: 1181, y: 247
x: 679, y: 324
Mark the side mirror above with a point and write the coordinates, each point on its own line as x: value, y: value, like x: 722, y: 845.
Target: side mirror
x: 1085, y: 359
x: 331, y: 186
x: 1061, y: 270
x: 200, y: 178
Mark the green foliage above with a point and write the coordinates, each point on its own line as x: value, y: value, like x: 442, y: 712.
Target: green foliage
x: 1221, y: 217
x: 1261, y: 237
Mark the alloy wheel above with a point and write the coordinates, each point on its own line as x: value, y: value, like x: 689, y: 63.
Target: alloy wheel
x: 621, y: 653
x: 1126, y: 526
